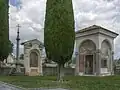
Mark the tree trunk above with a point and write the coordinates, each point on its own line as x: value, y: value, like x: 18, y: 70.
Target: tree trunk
x: 60, y: 72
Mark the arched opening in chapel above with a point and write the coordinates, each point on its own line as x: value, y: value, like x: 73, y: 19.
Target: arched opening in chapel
x: 87, y: 49
x: 106, y: 53
x: 34, y: 59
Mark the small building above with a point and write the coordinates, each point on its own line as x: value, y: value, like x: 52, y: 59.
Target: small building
x: 32, y: 57
x: 95, y: 51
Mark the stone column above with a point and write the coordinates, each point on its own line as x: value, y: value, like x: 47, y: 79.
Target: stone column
x: 98, y: 61
x: 77, y: 63
x: 112, y: 68
x: 94, y: 63
x: 26, y: 61
x: 82, y: 64
x: 109, y: 61
x: 40, y: 63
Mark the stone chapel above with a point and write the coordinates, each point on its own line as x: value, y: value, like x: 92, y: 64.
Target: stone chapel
x: 95, y: 51
x: 32, y: 57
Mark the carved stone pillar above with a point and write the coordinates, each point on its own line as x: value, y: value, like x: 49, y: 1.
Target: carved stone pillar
x: 94, y: 63
x: 77, y: 63
x: 112, y: 68
x: 98, y: 62
x: 81, y: 63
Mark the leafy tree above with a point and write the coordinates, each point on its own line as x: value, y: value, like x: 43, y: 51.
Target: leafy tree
x: 4, y: 30
x: 59, y: 34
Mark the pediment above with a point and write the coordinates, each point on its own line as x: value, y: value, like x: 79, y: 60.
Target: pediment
x: 30, y: 43
x: 95, y: 30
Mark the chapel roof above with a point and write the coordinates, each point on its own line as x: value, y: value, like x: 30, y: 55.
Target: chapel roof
x: 94, y: 27
x: 32, y: 41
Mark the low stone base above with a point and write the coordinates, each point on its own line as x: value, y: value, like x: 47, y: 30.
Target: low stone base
x: 18, y: 74
x: 27, y: 73
x: 33, y: 74
x: 105, y: 74
x: 95, y: 74
x: 81, y: 73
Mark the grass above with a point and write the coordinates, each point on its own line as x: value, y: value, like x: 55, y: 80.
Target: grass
x: 73, y: 83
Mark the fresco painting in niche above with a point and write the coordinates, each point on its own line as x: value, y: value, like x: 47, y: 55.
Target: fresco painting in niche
x: 33, y: 59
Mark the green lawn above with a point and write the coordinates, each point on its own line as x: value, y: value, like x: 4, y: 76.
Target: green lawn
x: 74, y: 83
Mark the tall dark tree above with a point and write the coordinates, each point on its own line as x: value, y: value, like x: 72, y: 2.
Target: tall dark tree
x: 4, y: 30
x: 59, y: 34
x: 11, y: 46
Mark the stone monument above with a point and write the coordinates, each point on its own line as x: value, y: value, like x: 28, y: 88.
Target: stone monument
x: 95, y: 48
x: 32, y: 57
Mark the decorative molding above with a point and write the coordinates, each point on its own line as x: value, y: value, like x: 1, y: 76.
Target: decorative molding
x: 98, y: 51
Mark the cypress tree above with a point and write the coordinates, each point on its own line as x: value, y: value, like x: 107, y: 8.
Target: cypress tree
x: 59, y: 34
x: 4, y: 30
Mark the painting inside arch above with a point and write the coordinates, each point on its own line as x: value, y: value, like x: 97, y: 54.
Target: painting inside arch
x: 87, y: 46
x: 33, y: 59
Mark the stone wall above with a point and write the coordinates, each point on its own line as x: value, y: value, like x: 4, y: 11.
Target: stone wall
x: 6, y: 70
x: 47, y: 71
x: 53, y: 71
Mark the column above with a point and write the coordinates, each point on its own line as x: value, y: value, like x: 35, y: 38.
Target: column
x: 98, y: 61
x: 77, y: 63
x: 94, y: 63
x: 82, y: 63
x: 40, y: 63
x: 112, y: 58
x: 109, y: 61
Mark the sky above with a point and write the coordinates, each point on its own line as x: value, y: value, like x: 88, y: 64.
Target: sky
x: 31, y: 16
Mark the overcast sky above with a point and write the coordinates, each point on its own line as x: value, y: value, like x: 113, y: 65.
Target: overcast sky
x: 105, y: 13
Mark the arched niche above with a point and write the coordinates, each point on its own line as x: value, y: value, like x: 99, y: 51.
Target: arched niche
x: 105, y: 53
x: 87, y: 46
x: 86, y: 56
x: 34, y: 57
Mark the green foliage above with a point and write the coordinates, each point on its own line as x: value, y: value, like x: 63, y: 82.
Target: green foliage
x: 59, y: 34
x: 4, y: 30
x: 11, y: 46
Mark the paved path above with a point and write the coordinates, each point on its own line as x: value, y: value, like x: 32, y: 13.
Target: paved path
x: 5, y: 86
x: 48, y: 89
